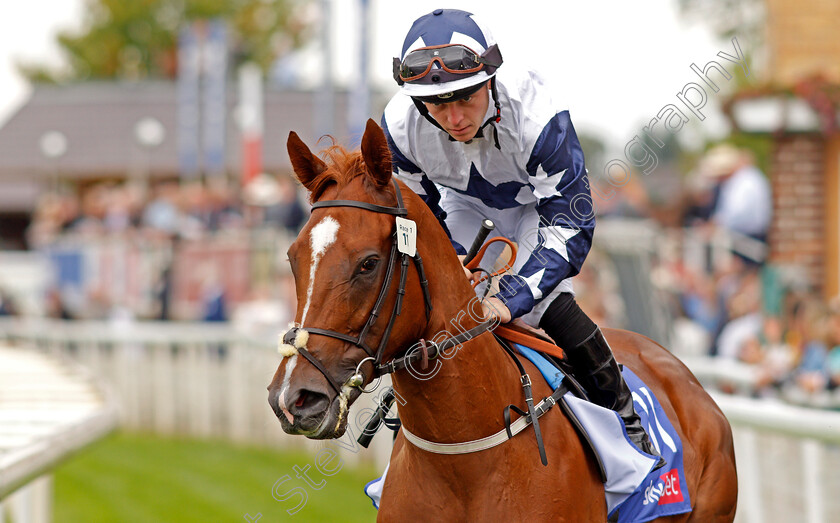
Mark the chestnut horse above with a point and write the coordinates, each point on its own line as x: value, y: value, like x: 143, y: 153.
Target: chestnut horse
x: 345, y: 269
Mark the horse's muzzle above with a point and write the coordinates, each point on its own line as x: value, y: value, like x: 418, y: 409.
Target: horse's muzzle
x: 306, y: 412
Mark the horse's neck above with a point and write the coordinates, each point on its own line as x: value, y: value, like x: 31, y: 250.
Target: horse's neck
x: 464, y: 397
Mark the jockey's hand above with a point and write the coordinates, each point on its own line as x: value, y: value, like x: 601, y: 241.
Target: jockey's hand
x: 472, y: 277
x: 493, y: 306
x: 490, y: 306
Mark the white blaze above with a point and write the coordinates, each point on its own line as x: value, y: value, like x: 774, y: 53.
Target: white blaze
x: 290, y: 366
x: 322, y: 236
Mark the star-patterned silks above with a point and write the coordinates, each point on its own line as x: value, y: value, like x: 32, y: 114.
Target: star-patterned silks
x: 525, y: 195
x: 533, y: 282
x: 505, y: 195
x: 544, y: 184
x: 555, y: 238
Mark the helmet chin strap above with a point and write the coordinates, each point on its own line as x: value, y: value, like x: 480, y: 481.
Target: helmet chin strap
x: 493, y: 120
x: 425, y: 112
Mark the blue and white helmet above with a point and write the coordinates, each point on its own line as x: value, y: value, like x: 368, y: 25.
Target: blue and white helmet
x: 446, y: 54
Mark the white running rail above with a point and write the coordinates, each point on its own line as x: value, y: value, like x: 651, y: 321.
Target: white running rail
x: 48, y: 410
x: 209, y: 380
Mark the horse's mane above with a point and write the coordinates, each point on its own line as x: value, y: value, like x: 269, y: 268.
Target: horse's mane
x: 343, y: 166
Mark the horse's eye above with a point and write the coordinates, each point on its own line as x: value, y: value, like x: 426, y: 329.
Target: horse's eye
x: 368, y: 265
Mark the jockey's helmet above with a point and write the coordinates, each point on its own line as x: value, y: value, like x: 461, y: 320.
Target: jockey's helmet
x: 447, y: 55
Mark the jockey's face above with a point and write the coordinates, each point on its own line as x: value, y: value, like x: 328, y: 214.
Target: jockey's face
x: 463, y: 118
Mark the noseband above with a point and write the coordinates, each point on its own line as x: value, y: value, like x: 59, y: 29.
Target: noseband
x: 356, y: 380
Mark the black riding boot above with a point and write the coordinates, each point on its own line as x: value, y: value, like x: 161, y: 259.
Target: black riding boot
x: 596, y: 369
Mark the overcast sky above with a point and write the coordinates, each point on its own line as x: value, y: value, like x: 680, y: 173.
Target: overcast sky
x: 616, y: 63
x: 27, y: 32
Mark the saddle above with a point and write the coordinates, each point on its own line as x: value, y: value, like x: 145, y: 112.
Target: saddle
x: 517, y: 331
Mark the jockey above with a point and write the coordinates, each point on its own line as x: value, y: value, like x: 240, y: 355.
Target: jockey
x: 476, y: 141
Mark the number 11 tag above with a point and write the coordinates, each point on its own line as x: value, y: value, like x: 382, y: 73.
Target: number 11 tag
x: 406, y: 236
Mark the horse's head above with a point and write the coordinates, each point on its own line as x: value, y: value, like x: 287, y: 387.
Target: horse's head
x: 347, y: 271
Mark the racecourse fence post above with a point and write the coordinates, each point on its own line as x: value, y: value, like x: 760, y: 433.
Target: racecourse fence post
x: 120, y: 378
x: 162, y: 364
x: 811, y: 459
x: 192, y: 388
x: 202, y: 393
x: 237, y: 395
x: 749, y: 476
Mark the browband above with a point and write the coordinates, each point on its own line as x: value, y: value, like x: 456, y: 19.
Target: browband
x: 396, y: 211
x: 399, y: 210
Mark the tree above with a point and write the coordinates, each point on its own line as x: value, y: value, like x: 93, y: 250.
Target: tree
x: 727, y: 19
x: 139, y: 38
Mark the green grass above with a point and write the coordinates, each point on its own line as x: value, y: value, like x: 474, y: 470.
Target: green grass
x: 148, y: 479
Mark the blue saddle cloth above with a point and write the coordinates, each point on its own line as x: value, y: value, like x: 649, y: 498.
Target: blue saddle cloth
x: 634, y: 492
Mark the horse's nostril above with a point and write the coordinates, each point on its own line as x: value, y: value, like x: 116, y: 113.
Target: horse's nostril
x: 308, y: 404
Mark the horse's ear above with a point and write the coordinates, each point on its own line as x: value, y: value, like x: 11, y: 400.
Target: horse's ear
x: 376, y: 155
x: 307, y: 166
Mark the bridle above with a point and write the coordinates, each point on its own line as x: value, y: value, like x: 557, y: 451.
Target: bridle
x: 375, y: 356
x: 429, y: 349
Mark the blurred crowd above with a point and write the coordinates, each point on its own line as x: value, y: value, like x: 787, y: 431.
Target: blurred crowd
x: 179, y: 239
x: 168, y: 209
x: 764, y: 317
x: 746, y: 309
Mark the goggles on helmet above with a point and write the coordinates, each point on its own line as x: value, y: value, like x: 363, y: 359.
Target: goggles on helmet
x: 454, y: 60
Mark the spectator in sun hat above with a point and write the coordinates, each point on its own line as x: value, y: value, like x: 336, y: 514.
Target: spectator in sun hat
x: 744, y: 203
x: 477, y: 139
